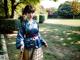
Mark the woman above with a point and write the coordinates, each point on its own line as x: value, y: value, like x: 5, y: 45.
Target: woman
x: 28, y: 39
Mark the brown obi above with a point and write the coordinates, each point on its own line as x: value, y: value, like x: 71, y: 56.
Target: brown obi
x: 30, y: 35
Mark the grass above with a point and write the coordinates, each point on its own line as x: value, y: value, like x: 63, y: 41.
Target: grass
x: 64, y: 44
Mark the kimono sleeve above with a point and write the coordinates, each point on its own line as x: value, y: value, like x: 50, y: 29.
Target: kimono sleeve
x: 18, y: 24
x: 43, y: 42
x: 20, y: 38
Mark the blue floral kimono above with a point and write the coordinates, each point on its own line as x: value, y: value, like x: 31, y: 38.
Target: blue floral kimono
x: 29, y: 36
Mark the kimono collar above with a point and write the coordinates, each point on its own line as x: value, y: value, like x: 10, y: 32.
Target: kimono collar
x: 29, y: 21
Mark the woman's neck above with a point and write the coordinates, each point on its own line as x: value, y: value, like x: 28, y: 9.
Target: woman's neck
x: 29, y: 19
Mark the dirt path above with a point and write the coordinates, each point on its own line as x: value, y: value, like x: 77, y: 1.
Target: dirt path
x: 64, y: 22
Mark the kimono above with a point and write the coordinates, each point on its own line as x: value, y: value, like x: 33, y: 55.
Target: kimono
x: 29, y: 36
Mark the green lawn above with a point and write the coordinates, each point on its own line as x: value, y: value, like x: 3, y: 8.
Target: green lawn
x: 63, y: 41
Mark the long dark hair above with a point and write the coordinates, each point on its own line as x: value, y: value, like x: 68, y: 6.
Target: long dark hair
x: 28, y: 9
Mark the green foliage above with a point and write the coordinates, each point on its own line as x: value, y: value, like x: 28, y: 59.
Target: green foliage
x: 7, y: 26
x: 19, y: 3
x: 1, y: 8
x: 55, y: 0
x: 1, y: 12
x: 76, y: 7
x: 19, y: 9
x: 9, y: 7
x: 41, y: 18
x: 65, y: 10
x: 69, y: 10
x: 33, y: 2
x: 15, y: 4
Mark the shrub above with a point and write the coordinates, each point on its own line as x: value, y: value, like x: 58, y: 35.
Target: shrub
x: 41, y: 18
x: 7, y: 25
x: 65, y: 10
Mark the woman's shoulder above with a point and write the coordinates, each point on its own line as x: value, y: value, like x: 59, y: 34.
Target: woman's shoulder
x: 20, y: 17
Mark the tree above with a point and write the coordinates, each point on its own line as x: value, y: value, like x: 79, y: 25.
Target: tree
x: 65, y: 10
x: 15, y: 3
x: 6, y: 8
x: 75, y: 8
x: 2, y: 8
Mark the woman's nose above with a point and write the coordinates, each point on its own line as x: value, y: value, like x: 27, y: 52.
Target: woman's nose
x: 31, y: 14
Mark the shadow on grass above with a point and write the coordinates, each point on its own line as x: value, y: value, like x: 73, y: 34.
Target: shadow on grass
x: 63, y: 43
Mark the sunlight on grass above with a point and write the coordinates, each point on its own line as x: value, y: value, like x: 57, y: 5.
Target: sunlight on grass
x: 11, y: 35
x: 78, y: 42
x: 64, y: 44
x: 68, y: 33
x: 42, y: 29
x: 69, y: 38
x: 12, y: 43
x: 55, y: 29
x: 61, y: 39
x: 78, y: 32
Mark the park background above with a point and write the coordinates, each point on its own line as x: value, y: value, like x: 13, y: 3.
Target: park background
x: 59, y: 22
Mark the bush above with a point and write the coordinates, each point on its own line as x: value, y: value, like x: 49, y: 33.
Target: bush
x: 65, y: 10
x: 7, y: 25
x: 41, y: 18
x: 54, y: 15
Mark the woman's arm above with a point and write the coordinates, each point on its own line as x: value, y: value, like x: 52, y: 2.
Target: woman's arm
x: 20, y: 38
x: 43, y: 42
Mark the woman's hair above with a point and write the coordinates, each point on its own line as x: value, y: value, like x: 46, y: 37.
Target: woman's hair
x: 28, y: 9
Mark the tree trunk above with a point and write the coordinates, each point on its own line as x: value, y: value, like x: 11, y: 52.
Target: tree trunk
x: 12, y: 7
x: 6, y: 8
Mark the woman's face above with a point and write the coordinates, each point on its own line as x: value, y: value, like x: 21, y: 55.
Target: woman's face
x: 30, y: 15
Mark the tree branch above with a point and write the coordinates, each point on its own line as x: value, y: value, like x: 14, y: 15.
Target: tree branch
x: 16, y: 4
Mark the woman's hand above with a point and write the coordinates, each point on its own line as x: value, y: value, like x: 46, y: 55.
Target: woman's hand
x: 22, y: 48
x: 46, y: 45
